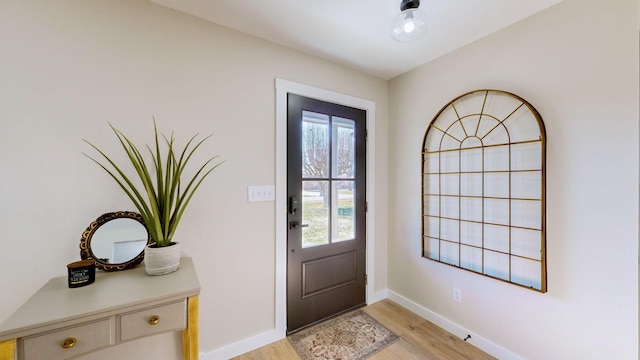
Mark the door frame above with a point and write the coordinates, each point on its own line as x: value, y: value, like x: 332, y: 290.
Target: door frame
x: 283, y: 87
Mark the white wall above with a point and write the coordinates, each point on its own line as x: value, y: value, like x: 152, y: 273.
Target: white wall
x: 577, y: 63
x: 70, y: 66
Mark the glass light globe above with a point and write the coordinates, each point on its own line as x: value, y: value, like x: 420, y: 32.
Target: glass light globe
x: 408, y: 25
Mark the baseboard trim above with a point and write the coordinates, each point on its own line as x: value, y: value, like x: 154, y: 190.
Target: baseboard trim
x: 243, y: 346
x: 270, y: 336
x: 478, y: 341
x: 378, y: 296
x: 266, y: 338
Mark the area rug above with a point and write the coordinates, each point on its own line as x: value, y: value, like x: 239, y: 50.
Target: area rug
x: 352, y: 336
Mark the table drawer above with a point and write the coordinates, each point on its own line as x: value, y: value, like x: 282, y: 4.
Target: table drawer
x: 170, y: 317
x: 80, y: 339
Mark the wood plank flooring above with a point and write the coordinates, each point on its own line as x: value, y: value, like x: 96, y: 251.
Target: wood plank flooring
x: 419, y: 339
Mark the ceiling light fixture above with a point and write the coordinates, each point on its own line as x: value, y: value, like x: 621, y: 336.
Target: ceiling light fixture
x: 411, y: 23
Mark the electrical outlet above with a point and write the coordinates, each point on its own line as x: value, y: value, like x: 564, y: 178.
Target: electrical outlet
x: 261, y: 193
x: 456, y: 294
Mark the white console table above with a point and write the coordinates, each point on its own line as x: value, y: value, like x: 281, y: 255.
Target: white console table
x: 58, y: 322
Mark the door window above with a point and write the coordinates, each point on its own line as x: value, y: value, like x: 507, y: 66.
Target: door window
x: 328, y: 181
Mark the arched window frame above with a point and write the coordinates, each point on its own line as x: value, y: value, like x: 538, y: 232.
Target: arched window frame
x: 484, y: 186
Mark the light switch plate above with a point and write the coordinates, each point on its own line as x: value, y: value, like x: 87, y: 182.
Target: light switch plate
x: 261, y: 193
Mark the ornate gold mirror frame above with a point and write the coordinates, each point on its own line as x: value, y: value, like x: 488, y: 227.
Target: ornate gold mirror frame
x: 115, y: 240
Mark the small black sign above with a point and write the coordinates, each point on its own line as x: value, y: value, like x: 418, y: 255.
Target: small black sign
x: 81, y: 273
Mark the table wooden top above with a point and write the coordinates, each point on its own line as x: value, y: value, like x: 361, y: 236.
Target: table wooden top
x: 56, y: 304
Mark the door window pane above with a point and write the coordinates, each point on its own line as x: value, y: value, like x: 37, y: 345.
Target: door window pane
x: 315, y: 145
x: 315, y: 213
x: 343, y: 211
x: 343, y: 141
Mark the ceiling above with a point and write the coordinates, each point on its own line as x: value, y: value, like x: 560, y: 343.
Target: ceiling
x: 356, y: 33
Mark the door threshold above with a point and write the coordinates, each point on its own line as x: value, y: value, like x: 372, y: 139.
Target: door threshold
x: 333, y: 316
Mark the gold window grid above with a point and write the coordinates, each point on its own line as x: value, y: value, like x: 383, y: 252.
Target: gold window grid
x: 483, y: 198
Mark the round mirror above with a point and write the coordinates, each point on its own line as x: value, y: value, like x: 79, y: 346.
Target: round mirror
x: 116, y: 241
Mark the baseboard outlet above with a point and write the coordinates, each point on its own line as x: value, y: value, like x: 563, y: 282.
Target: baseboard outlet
x: 478, y: 341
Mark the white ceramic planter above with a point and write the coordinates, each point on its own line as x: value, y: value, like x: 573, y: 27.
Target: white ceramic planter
x: 162, y: 260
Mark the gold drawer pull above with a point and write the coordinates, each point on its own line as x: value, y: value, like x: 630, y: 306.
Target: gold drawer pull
x: 68, y: 343
x: 154, y: 320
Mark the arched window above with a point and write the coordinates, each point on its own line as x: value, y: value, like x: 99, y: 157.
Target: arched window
x: 483, y: 188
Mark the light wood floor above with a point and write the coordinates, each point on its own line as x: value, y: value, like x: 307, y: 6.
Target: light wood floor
x: 419, y: 339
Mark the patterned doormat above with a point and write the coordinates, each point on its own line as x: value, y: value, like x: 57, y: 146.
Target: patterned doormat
x: 352, y: 336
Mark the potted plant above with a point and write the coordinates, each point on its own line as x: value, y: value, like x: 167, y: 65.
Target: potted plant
x: 160, y: 194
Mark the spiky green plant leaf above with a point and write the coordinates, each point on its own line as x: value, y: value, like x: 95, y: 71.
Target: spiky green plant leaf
x: 160, y: 200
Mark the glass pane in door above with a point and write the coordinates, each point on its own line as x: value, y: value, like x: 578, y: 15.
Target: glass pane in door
x: 315, y: 213
x: 343, y: 143
x: 343, y: 211
x: 315, y: 145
